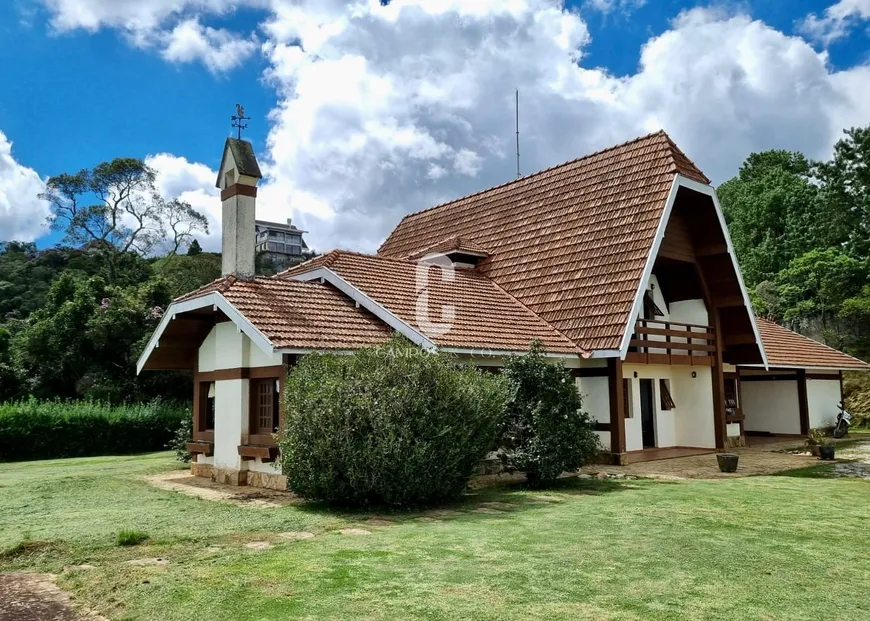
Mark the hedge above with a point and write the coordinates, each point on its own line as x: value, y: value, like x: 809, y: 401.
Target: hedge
x: 392, y: 425
x: 35, y: 429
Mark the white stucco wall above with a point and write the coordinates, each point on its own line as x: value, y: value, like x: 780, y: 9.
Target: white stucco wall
x: 231, y: 399
x: 690, y: 423
x: 227, y: 348
x: 732, y: 430
x: 771, y: 406
x: 595, y: 392
x: 823, y: 395
x: 663, y: 420
x: 693, y: 397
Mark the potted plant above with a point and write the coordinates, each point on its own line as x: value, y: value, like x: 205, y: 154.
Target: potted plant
x: 826, y: 449
x: 815, y: 439
x: 727, y: 462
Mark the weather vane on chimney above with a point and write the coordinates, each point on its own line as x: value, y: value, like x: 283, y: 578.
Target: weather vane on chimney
x: 238, y: 117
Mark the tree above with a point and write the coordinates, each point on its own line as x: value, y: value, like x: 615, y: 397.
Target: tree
x: 846, y: 180
x: 85, y: 340
x: 116, y: 206
x: 815, y: 285
x: 194, y: 249
x: 545, y: 431
x: 775, y: 213
x: 183, y: 221
x: 184, y: 273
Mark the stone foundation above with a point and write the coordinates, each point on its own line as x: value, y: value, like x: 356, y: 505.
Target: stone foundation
x: 735, y: 442
x: 267, y: 480
x: 228, y: 476
x: 200, y: 470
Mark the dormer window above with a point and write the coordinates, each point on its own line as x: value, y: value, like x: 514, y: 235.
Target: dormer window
x: 229, y: 178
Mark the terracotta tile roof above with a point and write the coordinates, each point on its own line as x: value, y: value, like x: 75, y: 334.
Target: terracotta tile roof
x: 787, y: 348
x: 569, y: 242
x: 299, y: 314
x: 454, y: 244
x: 486, y: 317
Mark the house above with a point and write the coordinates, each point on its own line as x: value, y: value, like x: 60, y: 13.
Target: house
x: 619, y: 263
x: 280, y: 245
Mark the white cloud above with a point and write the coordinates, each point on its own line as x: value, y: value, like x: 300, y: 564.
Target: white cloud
x: 837, y: 20
x: 609, y: 6
x: 172, y: 27
x: 384, y: 110
x: 218, y: 49
x: 194, y: 183
x: 22, y: 214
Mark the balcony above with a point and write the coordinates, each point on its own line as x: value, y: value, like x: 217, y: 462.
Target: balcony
x: 669, y: 342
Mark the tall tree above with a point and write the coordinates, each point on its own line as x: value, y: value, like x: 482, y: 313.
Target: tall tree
x: 116, y: 206
x: 846, y: 180
x: 774, y: 213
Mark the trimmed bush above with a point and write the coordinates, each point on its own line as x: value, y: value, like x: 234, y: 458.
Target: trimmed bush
x: 50, y: 429
x: 545, y: 432
x: 389, y: 425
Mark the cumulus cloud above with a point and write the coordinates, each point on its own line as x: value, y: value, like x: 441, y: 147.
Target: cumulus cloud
x: 218, y: 49
x: 385, y: 110
x: 837, y: 20
x: 172, y: 27
x: 609, y: 6
x: 193, y: 183
x: 22, y: 214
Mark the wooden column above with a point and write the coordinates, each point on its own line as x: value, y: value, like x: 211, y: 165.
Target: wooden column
x: 718, y: 375
x: 803, y: 403
x: 842, y: 393
x: 617, y: 410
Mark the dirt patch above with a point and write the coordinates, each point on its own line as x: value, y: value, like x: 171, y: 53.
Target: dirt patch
x: 258, y: 545
x: 200, y: 487
x: 296, y: 535
x: 33, y: 597
x: 355, y: 531
x: 148, y: 561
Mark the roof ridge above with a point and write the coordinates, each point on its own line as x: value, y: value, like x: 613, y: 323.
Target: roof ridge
x: 500, y: 186
x: 674, y: 147
x: 803, y: 336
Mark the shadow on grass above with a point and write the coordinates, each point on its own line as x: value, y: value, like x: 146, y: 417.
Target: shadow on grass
x: 822, y: 471
x: 497, y: 498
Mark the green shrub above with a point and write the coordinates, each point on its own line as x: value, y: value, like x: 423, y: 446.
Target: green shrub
x: 388, y: 425
x: 545, y: 432
x: 34, y: 429
x: 182, y: 436
x: 131, y: 537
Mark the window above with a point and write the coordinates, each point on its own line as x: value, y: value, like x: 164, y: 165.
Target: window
x: 264, y: 401
x: 206, y: 407
x: 650, y: 308
x: 667, y: 402
x: 229, y: 178
x: 627, y: 401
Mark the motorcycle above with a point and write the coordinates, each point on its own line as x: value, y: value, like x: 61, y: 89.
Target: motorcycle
x: 843, y: 421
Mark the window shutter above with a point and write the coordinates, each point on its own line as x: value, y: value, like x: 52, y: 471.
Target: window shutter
x: 666, y: 399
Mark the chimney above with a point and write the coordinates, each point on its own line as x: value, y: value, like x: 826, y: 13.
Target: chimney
x: 237, y: 179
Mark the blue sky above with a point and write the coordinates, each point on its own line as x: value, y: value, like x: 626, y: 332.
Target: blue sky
x: 84, y: 83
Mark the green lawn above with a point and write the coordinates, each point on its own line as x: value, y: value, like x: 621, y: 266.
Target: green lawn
x: 757, y: 548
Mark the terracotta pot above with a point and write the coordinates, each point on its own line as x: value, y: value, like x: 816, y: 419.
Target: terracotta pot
x: 727, y: 462
x: 814, y: 450
x: 826, y: 453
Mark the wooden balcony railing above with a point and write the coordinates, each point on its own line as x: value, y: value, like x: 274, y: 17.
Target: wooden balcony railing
x: 669, y: 342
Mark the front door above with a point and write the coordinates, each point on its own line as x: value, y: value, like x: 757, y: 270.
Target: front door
x: 647, y: 413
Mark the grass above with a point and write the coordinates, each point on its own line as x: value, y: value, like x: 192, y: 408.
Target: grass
x: 755, y: 548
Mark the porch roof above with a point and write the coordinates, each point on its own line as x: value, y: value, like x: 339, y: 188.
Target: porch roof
x: 792, y: 350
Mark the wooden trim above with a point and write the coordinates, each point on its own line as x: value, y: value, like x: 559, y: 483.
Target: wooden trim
x: 711, y: 250
x: 590, y: 372
x: 634, y: 357
x: 239, y: 189
x: 242, y: 373
x: 266, y: 454
x: 779, y: 377
x: 617, y: 407
x: 669, y: 332
x: 842, y: 394
x: 803, y: 402
x: 602, y: 426
x: 200, y: 448
x: 821, y: 376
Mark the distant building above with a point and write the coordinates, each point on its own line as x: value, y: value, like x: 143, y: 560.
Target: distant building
x: 280, y: 245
